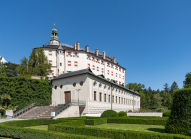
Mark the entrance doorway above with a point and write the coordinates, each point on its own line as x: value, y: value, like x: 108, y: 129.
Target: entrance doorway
x: 67, y: 97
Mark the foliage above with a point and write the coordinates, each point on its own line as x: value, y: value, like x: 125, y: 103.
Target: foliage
x: 2, y: 69
x: 10, y: 107
x: 97, y: 121
x: 25, y: 91
x: 138, y: 120
x: 22, y: 69
x: 166, y: 100
x: 36, y: 65
x: 187, y: 81
x: 156, y: 101
x: 122, y: 113
x: 134, y: 86
x: 166, y: 87
x: 130, y: 111
x: 109, y: 113
x: 179, y: 120
x: 166, y: 113
x: 5, y: 97
x: 10, y: 69
x: 173, y: 87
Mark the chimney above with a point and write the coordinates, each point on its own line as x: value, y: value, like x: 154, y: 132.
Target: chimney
x: 75, y: 46
x: 114, y: 59
x: 97, y: 51
x: 103, y: 54
x: 87, y: 48
x: 78, y: 45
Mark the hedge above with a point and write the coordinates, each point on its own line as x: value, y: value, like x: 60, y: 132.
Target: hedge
x: 112, y: 133
x: 25, y: 91
x: 19, y: 132
x: 153, y: 121
x: 179, y: 121
x: 96, y: 121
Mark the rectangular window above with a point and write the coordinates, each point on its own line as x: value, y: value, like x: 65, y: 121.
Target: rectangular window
x: 109, y: 98
x: 60, y: 64
x: 75, y: 63
x: 50, y: 61
x: 69, y: 63
x: 76, y: 54
x: 112, y: 99
x: 124, y: 101
x: 100, y: 97
x: 94, y: 95
x: 50, y: 53
x: 116, y: 99
x: 119, y: 100
x: 104, y: 97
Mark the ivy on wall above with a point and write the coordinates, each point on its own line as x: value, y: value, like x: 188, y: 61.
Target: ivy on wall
x: 25, y: 91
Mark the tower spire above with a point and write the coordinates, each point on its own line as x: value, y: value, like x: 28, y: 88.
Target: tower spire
x: 54, y: 25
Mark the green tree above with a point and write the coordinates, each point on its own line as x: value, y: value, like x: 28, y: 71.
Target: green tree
x: 173, y: 87
x: 2, y: 69
x: 134, y: 86
x: 166, y: 87
x: 187, y: 81
x: 5, y: 98
x: 10, y: 69
x: 156, y: 101
x: 38, y: 63
x: 166, y: 99
x: 22, y: 69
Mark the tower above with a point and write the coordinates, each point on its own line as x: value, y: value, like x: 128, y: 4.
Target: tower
x: 54, y: 40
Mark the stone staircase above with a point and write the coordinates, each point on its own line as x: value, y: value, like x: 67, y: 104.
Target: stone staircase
x: 40, y: 112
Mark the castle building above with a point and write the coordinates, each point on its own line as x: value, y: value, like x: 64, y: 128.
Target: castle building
x: 89, y: 77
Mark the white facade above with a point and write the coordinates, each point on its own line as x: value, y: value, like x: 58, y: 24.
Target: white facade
x: 66, y: 58
x: 96, y: 92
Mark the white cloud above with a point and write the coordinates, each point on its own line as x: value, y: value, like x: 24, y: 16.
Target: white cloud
x: 3, y: 60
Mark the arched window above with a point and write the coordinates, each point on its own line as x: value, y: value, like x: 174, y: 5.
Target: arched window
x: 94, y: 83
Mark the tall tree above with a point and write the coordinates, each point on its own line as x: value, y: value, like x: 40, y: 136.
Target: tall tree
x: 187, y: 81
x: 22, y: 69
x: 156, y: 101
x: 38, y: 63
x: 10, y: 69
x: 5, y: 98
x: 166, y: 87
x: 173, y: 87
x: 166, y: 99
x: 2, y: 69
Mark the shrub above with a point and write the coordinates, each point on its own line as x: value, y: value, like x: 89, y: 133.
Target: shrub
x: 130, y: 111
x: 133, y: 120
x: 109, y: 113
x: 166, y: 113
x: 122, y: 113
x: 179, y: 120
x: 96, y: 121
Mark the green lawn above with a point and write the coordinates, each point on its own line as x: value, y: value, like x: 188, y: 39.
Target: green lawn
x: 40, y: 127
x: 134, y: 127
x: 2, y: 117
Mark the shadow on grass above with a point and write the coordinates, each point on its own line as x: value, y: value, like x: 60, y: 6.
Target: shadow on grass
x: 156, y: 130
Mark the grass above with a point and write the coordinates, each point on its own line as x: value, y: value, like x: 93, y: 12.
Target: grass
x: 40, y: 127
x: 133, y: 127
x: 2, y: 117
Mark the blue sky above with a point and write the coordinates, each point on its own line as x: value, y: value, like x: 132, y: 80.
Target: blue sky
x: 150, y: 38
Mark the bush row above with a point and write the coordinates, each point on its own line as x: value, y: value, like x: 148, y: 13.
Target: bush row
x: 19, y: 132
x: 154, y: 121
x: 112, y: 133
x: 96, y: 121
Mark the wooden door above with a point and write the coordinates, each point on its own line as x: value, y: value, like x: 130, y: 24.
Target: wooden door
x: 67, y: 97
